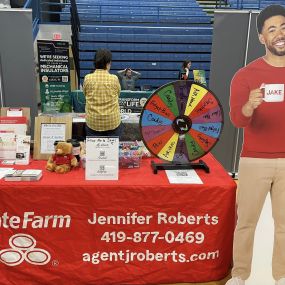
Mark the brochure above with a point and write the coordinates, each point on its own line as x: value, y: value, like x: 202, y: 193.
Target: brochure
x: 7, y: 146
x: 23, y: 144
x: 24, y: 175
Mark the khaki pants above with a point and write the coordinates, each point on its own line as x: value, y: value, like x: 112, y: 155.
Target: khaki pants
x: 257, y: 177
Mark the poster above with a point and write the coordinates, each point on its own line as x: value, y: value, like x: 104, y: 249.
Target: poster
x: 200, y: 76
x: 54, y: 74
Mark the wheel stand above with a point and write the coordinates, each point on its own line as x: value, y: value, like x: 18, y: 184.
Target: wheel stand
x: 174, y: 166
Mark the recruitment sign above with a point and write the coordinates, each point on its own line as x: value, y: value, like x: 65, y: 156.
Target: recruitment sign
x: 54, y: 73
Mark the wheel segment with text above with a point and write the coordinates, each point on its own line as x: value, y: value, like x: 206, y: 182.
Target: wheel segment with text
x: 181, y: 121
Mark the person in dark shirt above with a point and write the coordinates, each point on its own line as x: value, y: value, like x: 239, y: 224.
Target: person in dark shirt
x: 128, y: 78
x: 184, y: 72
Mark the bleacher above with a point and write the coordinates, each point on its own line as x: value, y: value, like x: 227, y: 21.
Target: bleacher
x: 153, y: 38
x: 173, y: 12
x: 253, y: 4
x: 150, y: 36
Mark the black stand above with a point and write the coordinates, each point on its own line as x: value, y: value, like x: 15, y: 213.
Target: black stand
x: 172, y: 166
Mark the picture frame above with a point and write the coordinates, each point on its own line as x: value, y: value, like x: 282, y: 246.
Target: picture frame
x: 47, y: 130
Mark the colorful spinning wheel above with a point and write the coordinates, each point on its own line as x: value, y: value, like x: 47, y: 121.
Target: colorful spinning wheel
x: 181, y: 121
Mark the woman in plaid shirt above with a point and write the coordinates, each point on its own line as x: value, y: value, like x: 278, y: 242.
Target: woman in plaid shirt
x: 102, y: 90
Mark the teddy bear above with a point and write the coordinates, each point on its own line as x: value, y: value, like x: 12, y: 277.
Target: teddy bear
x: 63, y: 159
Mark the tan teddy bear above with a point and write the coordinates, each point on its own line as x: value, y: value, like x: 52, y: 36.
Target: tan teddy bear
x: 63, y: 159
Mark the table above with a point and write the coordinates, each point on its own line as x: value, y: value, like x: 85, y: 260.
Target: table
x: 137, y: 230
x: 130, y: 126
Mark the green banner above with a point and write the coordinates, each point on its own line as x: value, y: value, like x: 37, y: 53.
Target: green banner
x: 133, y: 101
x: 129, y: 101
x: 54, y: 73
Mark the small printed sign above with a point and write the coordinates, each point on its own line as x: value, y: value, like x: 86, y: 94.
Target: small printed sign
x: 183, y: 176
x: 102, y: 158
x: 49, y: 134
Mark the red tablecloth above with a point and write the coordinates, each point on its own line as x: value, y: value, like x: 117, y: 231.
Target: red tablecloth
x: 137, y: 230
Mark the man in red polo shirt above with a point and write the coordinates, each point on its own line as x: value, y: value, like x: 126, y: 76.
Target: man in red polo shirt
x: 257, y: 105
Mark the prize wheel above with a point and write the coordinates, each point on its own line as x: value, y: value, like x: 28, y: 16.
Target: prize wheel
x: 181, y: 121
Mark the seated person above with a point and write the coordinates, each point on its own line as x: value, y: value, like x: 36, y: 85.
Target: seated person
x: 128, y: 78
x: 184, y: 71
x: 102, y: 90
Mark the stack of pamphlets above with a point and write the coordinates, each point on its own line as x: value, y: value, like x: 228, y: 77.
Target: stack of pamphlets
x: 24, y: 175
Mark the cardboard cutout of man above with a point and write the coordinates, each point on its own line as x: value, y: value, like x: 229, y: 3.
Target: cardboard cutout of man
x: 257, y: 105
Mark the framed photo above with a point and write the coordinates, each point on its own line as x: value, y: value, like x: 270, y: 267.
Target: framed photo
x: 47, y: 131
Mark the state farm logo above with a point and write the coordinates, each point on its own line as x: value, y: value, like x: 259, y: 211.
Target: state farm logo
x: 23, y: 247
